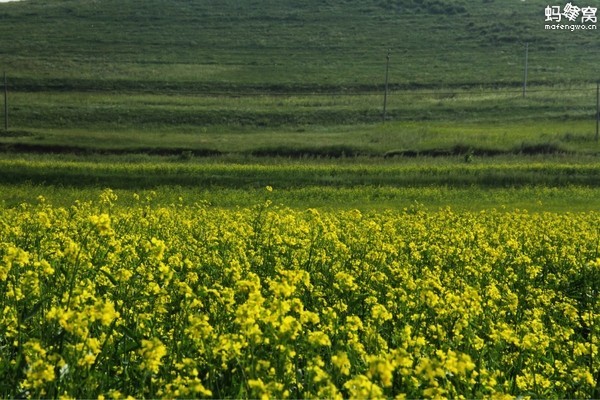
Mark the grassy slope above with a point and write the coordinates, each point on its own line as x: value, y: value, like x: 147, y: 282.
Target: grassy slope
x: 326, y: 43
x: 293, y: 78
x: 485, y: 121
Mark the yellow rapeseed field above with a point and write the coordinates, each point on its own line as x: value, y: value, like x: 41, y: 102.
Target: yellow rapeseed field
x: 103, y: 301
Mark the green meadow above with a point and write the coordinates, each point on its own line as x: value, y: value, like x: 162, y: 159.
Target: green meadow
x: 98, y: 90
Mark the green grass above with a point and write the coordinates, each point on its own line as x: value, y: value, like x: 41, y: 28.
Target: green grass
x: 423, y: 121
x: 366, y: 198
x: 275, y: 45
x: 119, y: 172
x: 294, y: 79
x: 233, y: 95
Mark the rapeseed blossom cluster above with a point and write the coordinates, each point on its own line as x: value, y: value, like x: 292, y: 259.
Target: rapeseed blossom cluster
x: 103, y: 301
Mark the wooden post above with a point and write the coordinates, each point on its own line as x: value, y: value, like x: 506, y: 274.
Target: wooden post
x: 526, y: 66
x: 387, y: 69
x: 5, y: 104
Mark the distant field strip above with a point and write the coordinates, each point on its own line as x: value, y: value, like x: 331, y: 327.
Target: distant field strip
x: 61, y: 109
x: 368, y: 198
x: 150, y: 174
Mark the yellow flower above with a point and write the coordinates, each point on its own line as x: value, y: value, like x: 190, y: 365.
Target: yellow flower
x: 290, y: 325
x: 39, y: 370
x: 319, y: 338
x: 381, y: 367
x: 353, y: 323
x: 342, y: 362
x: 108, y: 197
x: 151, y: 352
x: 344, y: 281
x: 380, y: 313
x: 101, y: 223
x: 360, y: 387
x: 258, y: 386
x: 45, y: 267
x: 105, y: 312
x: 13, y: 255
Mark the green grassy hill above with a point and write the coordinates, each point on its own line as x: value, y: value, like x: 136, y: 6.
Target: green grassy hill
x: 260, y: 82
x: 295, y: 77
x: 314, y: 45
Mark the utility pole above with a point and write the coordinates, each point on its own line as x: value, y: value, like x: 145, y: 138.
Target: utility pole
x: 387, y: 69
x: 597, y: 108
x: 526, y: 65
x: 5, y: 104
